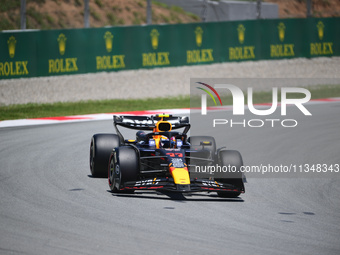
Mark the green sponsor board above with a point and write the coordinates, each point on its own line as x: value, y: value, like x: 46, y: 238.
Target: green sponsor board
x: 75, y: 51
x: 322, y: 37
x: 197, y: 46
x: 18, y: 54
x: 107, y: 51
x: 244, y: 41
x: 282, y: 39
x: 62, y: 52
x: 155, y: 48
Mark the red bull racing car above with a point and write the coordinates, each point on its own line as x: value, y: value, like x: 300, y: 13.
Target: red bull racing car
x: 163, y: 159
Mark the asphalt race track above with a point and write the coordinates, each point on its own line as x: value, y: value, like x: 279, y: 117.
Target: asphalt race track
x: 50, y: 204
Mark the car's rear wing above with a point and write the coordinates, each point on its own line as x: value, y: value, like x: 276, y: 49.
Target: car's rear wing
x: 149, y: 122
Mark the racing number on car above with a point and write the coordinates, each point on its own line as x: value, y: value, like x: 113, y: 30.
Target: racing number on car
x: 176, y: 154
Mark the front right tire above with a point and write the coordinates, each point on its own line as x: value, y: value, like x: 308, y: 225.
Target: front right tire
x: 230, y: 159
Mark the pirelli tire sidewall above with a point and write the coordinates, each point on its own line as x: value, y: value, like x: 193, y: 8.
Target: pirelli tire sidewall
x: 232, y: 161
x: 126, y: 166
x: 100, y: 150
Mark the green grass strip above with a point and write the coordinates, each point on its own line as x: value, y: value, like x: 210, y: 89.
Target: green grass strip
x: 26, y: 111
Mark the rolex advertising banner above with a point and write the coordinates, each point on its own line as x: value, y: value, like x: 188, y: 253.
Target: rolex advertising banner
x: 323, y: 37
x: 75, y: 51
x: 62, y: 52
x: 284, y: 40
x: 18, y: 55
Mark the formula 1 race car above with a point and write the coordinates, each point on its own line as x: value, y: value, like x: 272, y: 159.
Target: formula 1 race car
x: 163, y: 159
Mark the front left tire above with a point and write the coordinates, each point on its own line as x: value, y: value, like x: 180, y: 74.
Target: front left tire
x: 123, y: 167
x: 100, y: 151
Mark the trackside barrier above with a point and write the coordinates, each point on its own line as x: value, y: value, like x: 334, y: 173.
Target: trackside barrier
x: 76, y: 51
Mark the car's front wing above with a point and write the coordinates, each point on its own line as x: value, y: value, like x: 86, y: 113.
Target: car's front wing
x: 196, y: 185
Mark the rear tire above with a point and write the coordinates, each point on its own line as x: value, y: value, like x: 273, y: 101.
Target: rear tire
x: 124, y: 167
x: 232, y: 160
x: 100, y: 151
